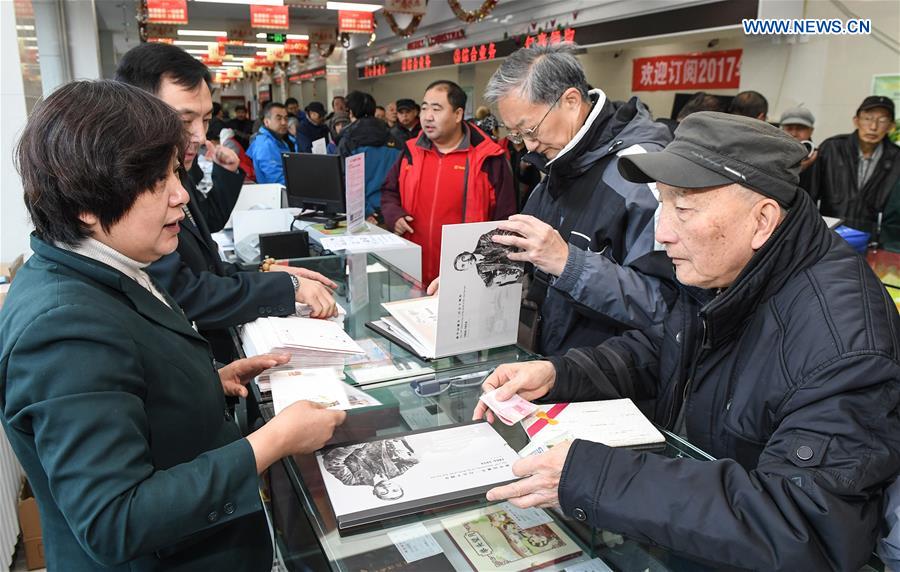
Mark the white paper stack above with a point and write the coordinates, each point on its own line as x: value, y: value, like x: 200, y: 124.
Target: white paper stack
x: 319, y: 385
x: 311, y: 343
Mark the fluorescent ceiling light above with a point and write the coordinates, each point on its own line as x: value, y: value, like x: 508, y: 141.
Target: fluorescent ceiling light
x: 257, y: 2
x: 265, y: 45
x: 209, y: 33
x: 262, y: 53
x: 197, y: 51
x: 233, y: 64
x: 26, y: 27
x: 297, y: 37
x: 192, y: 43
x: 28, y: 38
x: 353, y: 6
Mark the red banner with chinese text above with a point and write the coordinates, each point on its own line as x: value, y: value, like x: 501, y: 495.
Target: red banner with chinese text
x: 167, y: 12
x: 688, y: 72
x: 356, y: 22
x: 297, y: 47
x: 273, y: 17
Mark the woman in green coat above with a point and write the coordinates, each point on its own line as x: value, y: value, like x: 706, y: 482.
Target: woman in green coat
x: 107, y: 394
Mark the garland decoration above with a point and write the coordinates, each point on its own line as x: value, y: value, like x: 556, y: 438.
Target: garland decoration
x: 410, y: 28
x: 468, y: 17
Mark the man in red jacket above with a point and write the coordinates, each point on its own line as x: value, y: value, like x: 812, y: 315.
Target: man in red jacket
x: 451, y: 173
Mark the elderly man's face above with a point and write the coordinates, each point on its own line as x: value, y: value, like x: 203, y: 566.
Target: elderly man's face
x: 873, y: 125
x: 798, y: 132
x: 408, y: 117
x: 711, y: 234
x: 391, y: 112
x: 546, y: 129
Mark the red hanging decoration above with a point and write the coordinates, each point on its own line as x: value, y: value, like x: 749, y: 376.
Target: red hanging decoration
x: 486, y: 8
x: 410, y: 28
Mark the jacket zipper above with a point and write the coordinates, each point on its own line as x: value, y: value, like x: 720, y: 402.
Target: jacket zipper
x: 676, y: 405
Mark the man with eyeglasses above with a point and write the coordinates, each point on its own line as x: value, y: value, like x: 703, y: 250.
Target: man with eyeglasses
x: 586, y: 230
x: 854, y: 174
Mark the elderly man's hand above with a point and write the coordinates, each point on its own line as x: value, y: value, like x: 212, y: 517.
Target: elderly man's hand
x: 222, y: 156
x: 530, y: 380
x: 540, y: 488
x: 237, y: 374
x: 541, y: 243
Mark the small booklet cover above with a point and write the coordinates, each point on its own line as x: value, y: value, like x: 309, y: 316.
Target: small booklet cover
x: 408, y: 473
x: 613, y: 422
x: 477, y: 306
x: 491, y: 540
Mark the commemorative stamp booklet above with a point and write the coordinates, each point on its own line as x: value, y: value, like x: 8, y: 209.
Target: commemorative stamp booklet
x: 495, y: 538
x: 477, y: 305
x: 408, y: 473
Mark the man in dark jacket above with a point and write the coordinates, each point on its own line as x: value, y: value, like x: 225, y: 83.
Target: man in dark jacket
x: 312, y: 127
x: 781, y: 358
x: 587, y: 231
x: 212, y: 293
x: 371, y: 136
x: 854, y: 173
x: 408, y: 125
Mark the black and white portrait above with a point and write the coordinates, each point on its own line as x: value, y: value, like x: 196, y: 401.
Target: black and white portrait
x: 491, y: 261
x: 373, y: 464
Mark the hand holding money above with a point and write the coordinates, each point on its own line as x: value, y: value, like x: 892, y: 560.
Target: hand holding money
x: 529, y: 380
x: 510, y: 411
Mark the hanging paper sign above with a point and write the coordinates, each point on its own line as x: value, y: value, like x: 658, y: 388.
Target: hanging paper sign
x: 167, y: 12
x: 297, y: 47
x: 269, y: 16
x: 414, y: 7
x: 356, y: 22
x: 323, y: 35
x: 688, y: 72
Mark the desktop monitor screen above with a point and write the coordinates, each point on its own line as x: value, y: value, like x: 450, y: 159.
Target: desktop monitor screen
x: 314, y: 181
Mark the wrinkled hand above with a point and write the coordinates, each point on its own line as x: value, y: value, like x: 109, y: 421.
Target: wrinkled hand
x: 531, y: 380
x: 540, y: 488
x: 541, y: 243
x: 433, y: 287
x: 303, y: 273
x: 237, y: 374
x: 402, y: 225
x: 222, y: 156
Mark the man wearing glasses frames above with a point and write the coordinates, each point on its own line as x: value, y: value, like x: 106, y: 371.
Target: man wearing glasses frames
x: 587, y: 231
x: 854, y: 174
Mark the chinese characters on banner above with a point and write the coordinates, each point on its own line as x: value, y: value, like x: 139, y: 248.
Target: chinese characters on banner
x: 375, y: 71
x: 415, y: 64
x: 167, y: 12
x: 269, y: 16
x: 474, y: 54
x: 554, y: 37
x: 296, y: 47
x: 356, y: 22
x: 688, y: 72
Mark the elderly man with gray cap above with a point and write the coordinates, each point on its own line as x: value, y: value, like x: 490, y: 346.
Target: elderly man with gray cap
x: 779, y: 358
x: 799, y: 123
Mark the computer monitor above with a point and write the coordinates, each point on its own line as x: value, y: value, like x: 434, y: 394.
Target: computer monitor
x: 315, y: 182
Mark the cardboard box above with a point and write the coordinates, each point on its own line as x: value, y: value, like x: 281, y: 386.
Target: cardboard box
x: 30, y: 523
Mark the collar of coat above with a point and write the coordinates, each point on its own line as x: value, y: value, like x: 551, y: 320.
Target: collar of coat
x: 799, y: 241
x: 141, y: 299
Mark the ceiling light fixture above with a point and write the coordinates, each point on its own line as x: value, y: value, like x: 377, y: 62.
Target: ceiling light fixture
x: 257, y: 2
x: 191, y: 43
x: 204, y: 33
x: 25, y: 27
x: 353, y: 6
x: 197, y: 51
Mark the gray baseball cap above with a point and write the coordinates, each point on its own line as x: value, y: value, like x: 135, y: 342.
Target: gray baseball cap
x: 714, y: 149
x: 798, y: 116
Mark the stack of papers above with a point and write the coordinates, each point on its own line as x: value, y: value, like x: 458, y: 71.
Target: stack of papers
x: 319, y: 385
x: 361, y: 242
x: 311, y: 343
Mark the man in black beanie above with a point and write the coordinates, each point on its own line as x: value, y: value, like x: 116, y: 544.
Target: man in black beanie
x: 779, y: 358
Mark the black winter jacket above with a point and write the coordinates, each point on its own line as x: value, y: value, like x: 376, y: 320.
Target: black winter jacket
x: 614, y: 280
x: 790, y: 378
x: 366, y: 132
x: 833, y: 181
